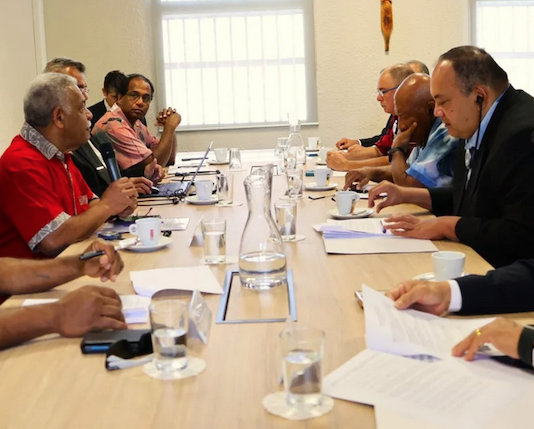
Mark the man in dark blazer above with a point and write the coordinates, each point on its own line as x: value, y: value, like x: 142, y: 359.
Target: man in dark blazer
x: 508, y: 289
x: 491, y: 203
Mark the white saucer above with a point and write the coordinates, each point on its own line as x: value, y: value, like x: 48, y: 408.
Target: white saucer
x: 215, y: 162
x: 314, y: 149
x: 430, y: 276
x: 163, y: 242
x: 194, y: 200
x: 320, y: 162
x: 314, y: 187
x: 357, y: 214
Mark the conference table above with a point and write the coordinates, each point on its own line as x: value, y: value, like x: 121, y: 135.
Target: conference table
x: 48, y: 383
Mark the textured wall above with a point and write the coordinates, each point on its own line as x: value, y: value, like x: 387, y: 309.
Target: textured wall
x: 108, y: 34
x: 17, y: 65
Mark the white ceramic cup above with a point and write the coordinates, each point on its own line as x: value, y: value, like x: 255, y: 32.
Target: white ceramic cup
x: 204, y: 188
x: 448, y: 265
x: 322, y: 176
x: 221, y: 154
x: 322, y: 154
x: 314, y: 142
x: 345, y: 201
x: 148, y: 230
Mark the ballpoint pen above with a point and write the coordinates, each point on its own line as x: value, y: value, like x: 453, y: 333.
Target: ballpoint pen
x: 123, y: 244
x: 383, y: 228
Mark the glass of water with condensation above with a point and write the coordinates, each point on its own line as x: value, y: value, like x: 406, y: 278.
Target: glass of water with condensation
x: 169, y: 324
x: 302, y: 354
x: 214, y: 235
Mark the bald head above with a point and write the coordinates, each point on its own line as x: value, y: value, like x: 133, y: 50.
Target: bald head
x: 414, y: 103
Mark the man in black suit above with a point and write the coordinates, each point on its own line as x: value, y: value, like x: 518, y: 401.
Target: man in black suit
x: 490, y: 204
x: 508, y: 289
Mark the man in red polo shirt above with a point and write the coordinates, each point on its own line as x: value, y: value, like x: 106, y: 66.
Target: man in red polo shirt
x: 45, y: 205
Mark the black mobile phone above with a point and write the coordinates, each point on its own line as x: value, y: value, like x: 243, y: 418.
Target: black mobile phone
x: 99, y: 342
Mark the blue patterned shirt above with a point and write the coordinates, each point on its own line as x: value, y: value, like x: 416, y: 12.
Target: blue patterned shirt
x: 433, y: 164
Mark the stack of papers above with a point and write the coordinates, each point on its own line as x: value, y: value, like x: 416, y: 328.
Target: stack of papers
x: 367, y: 236
x: 168, y: 224
x: 134, y: 308
x: 148, y: 282
x: 442, y: 392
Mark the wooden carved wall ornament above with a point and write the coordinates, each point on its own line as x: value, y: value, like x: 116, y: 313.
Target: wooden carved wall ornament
x: 386, y: 21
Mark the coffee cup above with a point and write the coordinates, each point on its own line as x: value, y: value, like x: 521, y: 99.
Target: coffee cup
x: 221, y: 154
x: 314, y: 142
x: 322, y: 176
x: 448, y: 265
x: 322, y: 154
x: 148, y: 230
x: 346, y: 200
x: 204, y: 189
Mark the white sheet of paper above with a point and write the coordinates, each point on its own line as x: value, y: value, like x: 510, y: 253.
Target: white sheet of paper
x: 369, y: 226
x: 410, y: 331
x: 169, y: 224
x: 364, y: 246
x: 445, y: 392
x: 148, y: 282
x: 31, y: 301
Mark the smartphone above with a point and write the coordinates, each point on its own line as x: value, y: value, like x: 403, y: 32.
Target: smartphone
x: 359, y: 297
x: 99, y: 342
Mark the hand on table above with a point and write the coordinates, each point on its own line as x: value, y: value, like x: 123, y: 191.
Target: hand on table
x: 502, y: 333
x: 107, y: 266
x: 361, y: 176
x: 120, y: 196
x: 336, y: 161
x: 142, y: 185
x: 430, y: 297
x: 154, y: 171
x: 395, y: 195
x: 346, y: 143
x: 90, y: 308
x: 413, y: 227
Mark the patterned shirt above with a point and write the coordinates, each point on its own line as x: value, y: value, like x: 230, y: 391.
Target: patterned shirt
x: 41, y: 189
x: 433, y: 164
x: 386, y: 139
x: 132, y: 144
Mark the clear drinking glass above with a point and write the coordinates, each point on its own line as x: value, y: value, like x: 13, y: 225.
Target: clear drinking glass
x: 295, y: 182
x: 225, y: 188
x: 281, y: 145
x: 214, y: 236
x: 235, y: 159
x: 286, y: 219
x: 169, y: 324
x: 302, y: 351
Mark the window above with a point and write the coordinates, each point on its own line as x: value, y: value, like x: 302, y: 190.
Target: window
x: 504, y: 29
x: 237, y: 63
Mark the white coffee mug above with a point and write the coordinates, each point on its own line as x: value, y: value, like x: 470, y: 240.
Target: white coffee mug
x: 322, y: 176
x: 346, y: 201
x: 148, y: 230
x: 448, y: 265
x: 204, y: 189
x: 221, y: 154
x: 314, y: 142
x: 322, y: 154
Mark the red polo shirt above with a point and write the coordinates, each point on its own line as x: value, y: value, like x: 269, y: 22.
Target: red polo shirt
x: 38, y: 192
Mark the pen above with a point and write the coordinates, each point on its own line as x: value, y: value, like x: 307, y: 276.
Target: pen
x: 148, y: 212
x: 192, y: 159
x: 383, y: 228
x: 91, y: 255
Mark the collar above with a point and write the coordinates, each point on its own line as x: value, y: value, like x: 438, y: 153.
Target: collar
x: 108, y: 107
x: 117, y: 110
x: 472, y: 142
x: 34, y: 137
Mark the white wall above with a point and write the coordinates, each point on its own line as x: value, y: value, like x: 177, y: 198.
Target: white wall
x: 110, y: 34
x: 17, y: 64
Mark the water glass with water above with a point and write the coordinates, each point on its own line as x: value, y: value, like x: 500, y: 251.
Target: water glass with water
x: 302, y: 354
x: 225, y: 188
x: 295, y: 182
x: 169, y: 324
x: 214, y: 235
x: 235, y: 159
x: 286, y: 219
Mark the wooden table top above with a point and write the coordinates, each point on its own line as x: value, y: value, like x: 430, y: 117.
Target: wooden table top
x: 48, y: 383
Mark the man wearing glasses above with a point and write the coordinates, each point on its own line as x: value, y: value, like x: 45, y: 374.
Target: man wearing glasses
x: 375, y: 155
x: 135, y: 146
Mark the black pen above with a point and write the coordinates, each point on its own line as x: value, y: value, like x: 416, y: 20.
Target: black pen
x: 90, y: 255
x: 193, y: 159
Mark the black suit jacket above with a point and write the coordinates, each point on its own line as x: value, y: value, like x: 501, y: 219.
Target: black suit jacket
x: 98, y: 110
x: 497, y: 206
x: 508, y: 289
x: 92, y: 169
x: 371, y: 141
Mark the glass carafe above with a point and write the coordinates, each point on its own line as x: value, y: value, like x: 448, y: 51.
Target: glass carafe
x: 262, y: 262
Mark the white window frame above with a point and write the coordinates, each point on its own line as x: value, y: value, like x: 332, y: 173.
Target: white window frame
x: 200, y: 6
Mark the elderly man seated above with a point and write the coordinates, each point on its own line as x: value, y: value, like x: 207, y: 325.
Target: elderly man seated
x: 45, y: 204
x: 431, y: 162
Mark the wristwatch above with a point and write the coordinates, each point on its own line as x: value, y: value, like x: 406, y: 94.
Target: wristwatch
x: 397, y: 149
x: 526, y: 345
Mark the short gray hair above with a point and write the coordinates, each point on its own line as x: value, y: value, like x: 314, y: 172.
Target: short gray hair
x: 47, y: 92
x: 59, y: 64
x: 398, y: 72
x: 422, y: 67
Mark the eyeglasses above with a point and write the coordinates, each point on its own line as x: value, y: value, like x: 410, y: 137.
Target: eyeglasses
x: 83, y: 89
x: 381, y: 92
x: 134, y: 96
